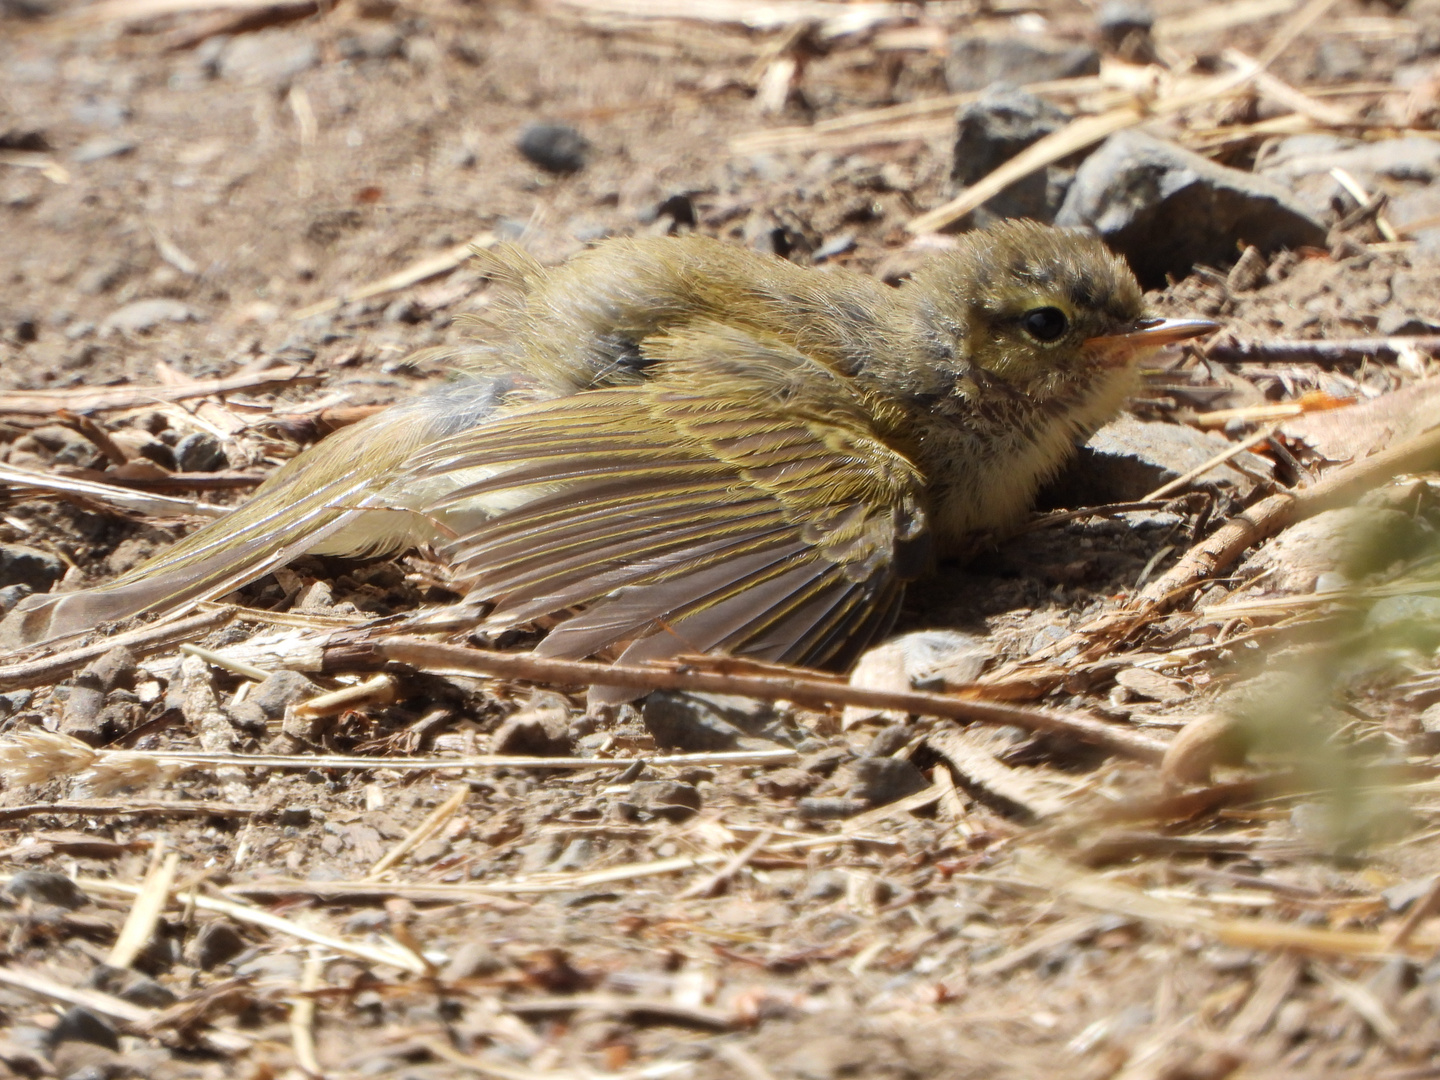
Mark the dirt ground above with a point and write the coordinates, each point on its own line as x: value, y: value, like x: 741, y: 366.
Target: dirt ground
x: 1034, y: 904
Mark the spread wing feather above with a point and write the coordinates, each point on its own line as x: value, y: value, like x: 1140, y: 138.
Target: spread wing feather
x: 741, y: 499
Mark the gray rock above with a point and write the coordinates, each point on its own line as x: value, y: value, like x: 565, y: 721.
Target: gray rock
x: 200, y: 452
x: 976, y: 61
x: 556, y: 148
x: 1166, y: 209
x: 274, y: 57
x: 115, y: 669
x: 35, y: 569
x: 82, y: 1025
x: 669, y: 799
x: 64, y: 445
x: 991, y: 131
x: 217, y: 943
x: 540, y: 730
x: 1121, y: 22
x: 371, y: 43
x: 823, y: 885
x: 887, y: 741
x: 131, y: 986
x: 698, y: 722
x: 279, y: 690
x: 1417, y: 208
x: 47, y: 887
x: 142, y: 315
x: 1128, y: 458
x: 1303, y: 163
x: 882, y: 780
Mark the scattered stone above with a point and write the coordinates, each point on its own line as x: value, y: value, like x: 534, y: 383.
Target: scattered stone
x: 1352, y: 541
x: 991, y: 131
x: 823, y: 885
x: 143, y: 315
x: 132, y: 986
x: 787, y: 783
x: 98, y: 149
x: 668, y: 799
x: 698, y: 722
x: 1129, y: 458
x: 293, y: 817
x: 63, y: 445
x: 35, y: 569
x: 556, y: 148
x: 1124, y: 27
x: 273, y: 56
x: 1303, y: 163
x: 976, y: 61
x: 280, y: 690
x: 80, y: 714
x: 47, y: 887
x: 217, y: 943
x: 922, y: 660
x: 1417, y: 214
x: 1166, y: 209
x: 1399, y: 323
x: 1399, y: 898
x: 82, y: 1025
x: 200, y: 452
x: 541, y: 729
x: 880, y: 781
x: 371, y: 43
x: 888, y: 741
x: 117, y: 668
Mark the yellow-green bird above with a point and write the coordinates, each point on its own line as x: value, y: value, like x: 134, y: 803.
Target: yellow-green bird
x: 682, y: 446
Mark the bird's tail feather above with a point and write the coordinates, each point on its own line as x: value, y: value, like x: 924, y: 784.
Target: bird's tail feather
x: 335, y: 498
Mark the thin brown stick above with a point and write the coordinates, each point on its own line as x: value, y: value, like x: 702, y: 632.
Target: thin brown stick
x: 107, y: 807
x: 142, y: 642
x: 429, y: 656
x: 107, y: 399
x: 98, y: 436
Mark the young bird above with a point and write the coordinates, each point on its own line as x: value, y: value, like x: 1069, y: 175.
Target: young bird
x: 682, y: 446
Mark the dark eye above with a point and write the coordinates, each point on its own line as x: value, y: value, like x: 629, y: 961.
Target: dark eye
x: 1045, y: 323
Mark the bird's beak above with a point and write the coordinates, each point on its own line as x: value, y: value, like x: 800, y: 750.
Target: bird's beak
x: 1145, y: 336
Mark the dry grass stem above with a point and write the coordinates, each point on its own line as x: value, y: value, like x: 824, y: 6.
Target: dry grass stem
x: 432, y: 824
x: 150, y: 901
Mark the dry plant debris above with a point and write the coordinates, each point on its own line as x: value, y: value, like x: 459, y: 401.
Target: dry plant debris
x: 1148, y: 789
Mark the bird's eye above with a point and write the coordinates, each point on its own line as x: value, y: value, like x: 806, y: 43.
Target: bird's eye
x: 1045, y: 323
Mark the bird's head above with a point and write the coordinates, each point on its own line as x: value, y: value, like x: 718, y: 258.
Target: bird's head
x: 1047, y: 311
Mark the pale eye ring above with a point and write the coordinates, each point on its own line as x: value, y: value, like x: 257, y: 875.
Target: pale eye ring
x: 1045, y: 324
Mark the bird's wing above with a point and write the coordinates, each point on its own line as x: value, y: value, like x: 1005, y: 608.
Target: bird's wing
x: 332, y: 499
x: 740, y: 500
